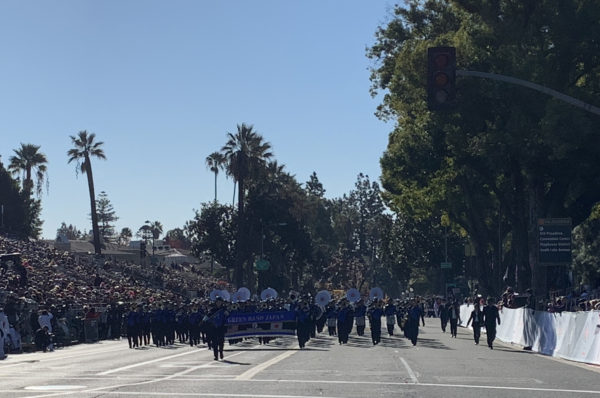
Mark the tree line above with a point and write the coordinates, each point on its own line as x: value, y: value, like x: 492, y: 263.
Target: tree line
x: 504, y: 156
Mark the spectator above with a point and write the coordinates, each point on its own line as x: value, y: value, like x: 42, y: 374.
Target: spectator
x: 43, y: 341
x: 97, y: 280
x: 45, y: 322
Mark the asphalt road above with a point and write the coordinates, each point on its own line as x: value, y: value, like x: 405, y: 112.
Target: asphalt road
x: 439, y: 366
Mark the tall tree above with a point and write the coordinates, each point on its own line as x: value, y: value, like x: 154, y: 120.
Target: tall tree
x: 212, y: 232
x: 215, y: 162
x: 176, y: 238
x: 505, y: 155
x: 69, y: 232
x: 125, y: 236
x: 14, y: 206
x: 29, y: 160
x: 156, y: 227
x: 151, y: 230
x: 84, y: 148
x: 245, y: 152
x: 106, y: 216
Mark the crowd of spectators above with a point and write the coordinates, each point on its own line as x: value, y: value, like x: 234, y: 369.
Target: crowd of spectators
x: 70, y: 286
x: 573, y: 301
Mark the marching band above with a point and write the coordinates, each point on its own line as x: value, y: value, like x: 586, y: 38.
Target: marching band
x: 206, y: 321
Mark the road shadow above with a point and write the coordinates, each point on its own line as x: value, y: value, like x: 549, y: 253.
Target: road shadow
x: 432, y: 343
x: 237, y: 363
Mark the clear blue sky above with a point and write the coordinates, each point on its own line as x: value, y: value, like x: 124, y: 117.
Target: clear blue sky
x: 162, y: 82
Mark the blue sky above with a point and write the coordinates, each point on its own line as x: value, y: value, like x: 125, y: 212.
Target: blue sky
x: 162, y: 82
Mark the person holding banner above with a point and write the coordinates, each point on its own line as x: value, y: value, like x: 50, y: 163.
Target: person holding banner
x: 216, y: 327
x: 490, y: 317
x: 303, y: 323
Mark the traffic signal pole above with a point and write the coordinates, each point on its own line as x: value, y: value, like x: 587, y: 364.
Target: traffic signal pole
x: 534, y: 86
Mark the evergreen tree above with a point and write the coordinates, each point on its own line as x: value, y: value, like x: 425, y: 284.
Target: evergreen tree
x: 106, y: 217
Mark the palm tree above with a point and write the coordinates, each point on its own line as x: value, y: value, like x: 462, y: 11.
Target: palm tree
x: 156, y: 228
x: 151, y: 229
x: 84, y: 149
x: 29, y: 160
x: 244, y: 153
x: 215, y: 162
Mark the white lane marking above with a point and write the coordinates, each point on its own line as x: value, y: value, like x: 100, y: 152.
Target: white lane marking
x: 419, y: 385
x: 135, y: 365
x: 199, y: 394
x: 411, y: 374
x: 50, y: 357
x: 170, y: 377
x: 597, y: 392
x: 250, y: 373
x: 55, y: 387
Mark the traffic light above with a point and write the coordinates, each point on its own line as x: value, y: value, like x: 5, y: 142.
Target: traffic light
x: 441, y: 77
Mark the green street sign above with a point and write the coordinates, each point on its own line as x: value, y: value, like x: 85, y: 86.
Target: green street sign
x: 445, y: 265
x: 261, y: 264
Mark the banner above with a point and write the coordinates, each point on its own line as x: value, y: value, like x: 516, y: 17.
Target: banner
x: 258, y: 324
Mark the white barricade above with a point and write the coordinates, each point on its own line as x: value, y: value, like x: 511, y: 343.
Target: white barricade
x: 569, y: 335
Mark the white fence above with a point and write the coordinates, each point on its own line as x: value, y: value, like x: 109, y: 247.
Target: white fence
x: 569, y: 335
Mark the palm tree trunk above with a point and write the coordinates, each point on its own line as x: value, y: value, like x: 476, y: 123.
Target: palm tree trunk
x: 239, y: 273
x: 95, y: 229
x: 215, y: 187
x: 28, y: 183
x: 233, y: 200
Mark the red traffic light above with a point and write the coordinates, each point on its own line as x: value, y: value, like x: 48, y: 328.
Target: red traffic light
x: 441, y: 76
x: 441, y: 79
x: 441, y: 60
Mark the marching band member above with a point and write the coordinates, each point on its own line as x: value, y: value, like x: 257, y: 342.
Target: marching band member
x: 360, y: 310
x: 331, y: 315
x: 345, y: 319
x: 216, y: 320
x: 132, y: 328
x: 390, y: 316
x: 315, y: 314
x: 411, y: 329
x: 303, y: 323
x: 375, y: 313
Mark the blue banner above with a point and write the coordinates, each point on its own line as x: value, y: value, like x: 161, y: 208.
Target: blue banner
x: 259, y: 324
